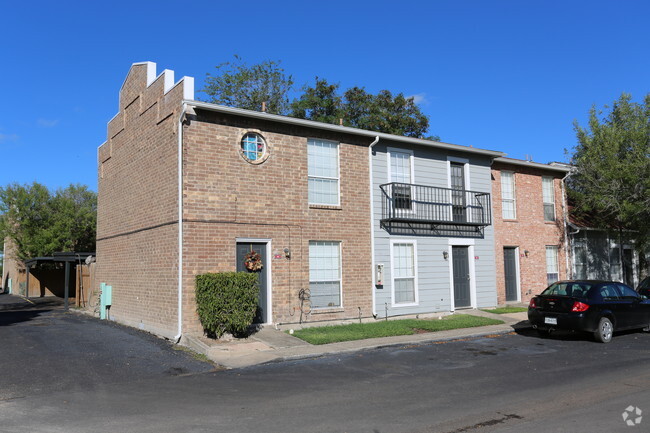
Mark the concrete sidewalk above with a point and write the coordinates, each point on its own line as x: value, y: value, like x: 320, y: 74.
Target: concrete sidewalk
x: 270, y: 344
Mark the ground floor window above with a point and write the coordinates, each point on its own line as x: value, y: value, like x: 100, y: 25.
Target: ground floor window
x: 580, y: 257
x: 325, y: 274
x: 404, y: 273
x: 615, y: 273
x: 552, y: 269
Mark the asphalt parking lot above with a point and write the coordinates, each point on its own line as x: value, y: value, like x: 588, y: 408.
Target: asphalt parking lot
x: 64, y: 372
x: 45, y: 349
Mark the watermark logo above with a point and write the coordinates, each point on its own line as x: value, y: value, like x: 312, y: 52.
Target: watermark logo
x: 632, y: 416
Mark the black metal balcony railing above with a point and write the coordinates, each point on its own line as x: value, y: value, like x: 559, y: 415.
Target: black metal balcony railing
x: 404, y: 202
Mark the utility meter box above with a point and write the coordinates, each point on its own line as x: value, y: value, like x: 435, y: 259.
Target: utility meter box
x: 379, y: 275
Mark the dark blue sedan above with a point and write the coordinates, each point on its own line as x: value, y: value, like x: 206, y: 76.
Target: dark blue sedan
x: 597, y: 307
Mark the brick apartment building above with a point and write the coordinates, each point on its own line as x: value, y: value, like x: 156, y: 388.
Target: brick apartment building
x: 198, y: 187
x: 250, y: 181
x: 531, y: 249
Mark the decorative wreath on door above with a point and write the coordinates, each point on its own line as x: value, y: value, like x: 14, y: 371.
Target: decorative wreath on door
x: 253, y: 261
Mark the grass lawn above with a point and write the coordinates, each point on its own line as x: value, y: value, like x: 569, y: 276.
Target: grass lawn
x: 361, y: 331
x: 507, y: 309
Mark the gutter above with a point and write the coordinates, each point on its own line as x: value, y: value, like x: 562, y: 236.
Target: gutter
x: 178, y: 336
x: 372, y: 226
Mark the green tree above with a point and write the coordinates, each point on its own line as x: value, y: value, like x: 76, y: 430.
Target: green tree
x: 239, y: 85
x: 41, y: 223
x: 611, y: 184
x: 383, y: 112
x: 75, y: 211
x: 321, y: 103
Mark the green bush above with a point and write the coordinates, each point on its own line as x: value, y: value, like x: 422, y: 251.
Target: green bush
x: 226, y: 302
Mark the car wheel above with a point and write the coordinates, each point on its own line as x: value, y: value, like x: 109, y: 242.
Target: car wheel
x: 605, y: 330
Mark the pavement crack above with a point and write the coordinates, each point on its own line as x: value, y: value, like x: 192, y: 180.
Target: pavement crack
x: 489, y: 423
x: 12, y: 398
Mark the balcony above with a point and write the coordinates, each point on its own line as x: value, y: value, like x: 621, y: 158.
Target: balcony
x: 436, y: 209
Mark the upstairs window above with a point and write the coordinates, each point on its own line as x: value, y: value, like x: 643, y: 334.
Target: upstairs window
x: 458, y: 200
x: 254, y: 148
x: 548, y: 194
x: 323, y: 172
x: 508, y: 195
x: 400, y: 173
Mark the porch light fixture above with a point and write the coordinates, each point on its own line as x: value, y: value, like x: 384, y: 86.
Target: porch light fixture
x: 526, y: 252
x: 445, y: 254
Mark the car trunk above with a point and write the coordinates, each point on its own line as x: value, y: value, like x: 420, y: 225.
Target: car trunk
x: 555, y: 304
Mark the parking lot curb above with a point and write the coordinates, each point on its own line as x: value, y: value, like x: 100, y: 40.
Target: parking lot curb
x: 255, y: 350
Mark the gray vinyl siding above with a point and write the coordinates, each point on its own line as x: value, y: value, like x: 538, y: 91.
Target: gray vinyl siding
x: 434, y: 287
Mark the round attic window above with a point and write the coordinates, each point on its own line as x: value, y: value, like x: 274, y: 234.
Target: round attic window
x: 254, y: 148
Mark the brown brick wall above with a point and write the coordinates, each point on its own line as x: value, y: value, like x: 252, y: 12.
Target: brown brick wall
x: 225, y: 198
x: 528, y: 231
x: 228, y: 198
x: 137, y: 230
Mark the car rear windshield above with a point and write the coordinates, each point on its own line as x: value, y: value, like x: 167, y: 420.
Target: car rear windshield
x: 576, y: 290
x: 645, y: 284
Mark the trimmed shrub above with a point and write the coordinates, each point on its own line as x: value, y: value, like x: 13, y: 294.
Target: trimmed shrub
x: 226, y: 302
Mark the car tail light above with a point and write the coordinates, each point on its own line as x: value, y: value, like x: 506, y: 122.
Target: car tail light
x: 532, y: 303
x: 579, y: 307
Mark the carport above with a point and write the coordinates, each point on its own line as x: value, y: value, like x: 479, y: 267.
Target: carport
x: 58, y: 258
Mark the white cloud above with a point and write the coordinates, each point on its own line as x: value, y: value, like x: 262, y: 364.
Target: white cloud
x: 6, y: 138
x: 419, y: 98
x: 47, y: 123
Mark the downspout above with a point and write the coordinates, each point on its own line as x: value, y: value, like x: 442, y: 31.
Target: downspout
x: 178, y: 336
x: 372, y: 225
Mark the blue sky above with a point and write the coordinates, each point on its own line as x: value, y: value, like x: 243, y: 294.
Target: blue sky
x: 501, y: 75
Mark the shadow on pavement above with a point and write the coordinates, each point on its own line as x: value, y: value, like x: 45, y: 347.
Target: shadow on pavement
x: 11, y: 317
x: 562, y: 335
x: 16, y: 309
x: 555, y: 335
x: 12, y: 303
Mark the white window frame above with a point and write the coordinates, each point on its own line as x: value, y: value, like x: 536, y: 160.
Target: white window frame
x: 580, y: 245
x: 392, y: 150
x: 466, y: 179
x: 338, y: 173
x: 411, y: 162
x: 514, y: 195
x: 340, y: 279
x: 557, y: 262
x: 465, y: 162
x: 552, y: 202
x: 416, y: 296
x: 259, y: 159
